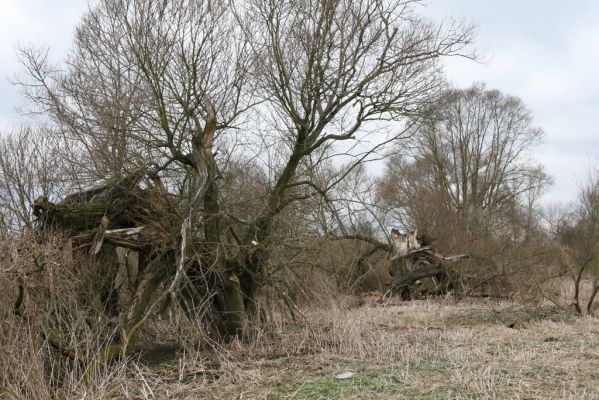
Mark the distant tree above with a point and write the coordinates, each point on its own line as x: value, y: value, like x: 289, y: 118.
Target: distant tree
x: 577, y: 230
x: 29, y: 167
x: 468, y: 165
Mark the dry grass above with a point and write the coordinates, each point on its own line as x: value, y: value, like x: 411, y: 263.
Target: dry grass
x: 443, y: 349
x: 426, y: 350
x: 416, y: 350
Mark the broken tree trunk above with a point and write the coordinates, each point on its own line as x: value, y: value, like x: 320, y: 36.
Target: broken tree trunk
x: 412, y: 263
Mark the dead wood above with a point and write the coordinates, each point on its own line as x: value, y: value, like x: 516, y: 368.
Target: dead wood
x: 113, y: 214
x: 412, y: 263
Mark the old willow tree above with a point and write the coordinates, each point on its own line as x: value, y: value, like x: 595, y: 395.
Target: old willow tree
x: 469, y: 167
x: 201, y: 92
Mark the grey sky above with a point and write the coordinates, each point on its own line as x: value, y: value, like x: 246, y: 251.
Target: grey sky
x: 545, y: 52
x: 31, y: 22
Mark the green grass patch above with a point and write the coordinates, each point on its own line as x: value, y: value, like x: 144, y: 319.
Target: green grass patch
x: 330, y: 388
x: 429, y: 368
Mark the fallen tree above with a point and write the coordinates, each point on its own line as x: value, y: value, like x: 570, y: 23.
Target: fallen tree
x: 144, y: 219
x: 412, y: 262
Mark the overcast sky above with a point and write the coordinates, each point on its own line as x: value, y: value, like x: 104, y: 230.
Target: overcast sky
x: 543, y: 51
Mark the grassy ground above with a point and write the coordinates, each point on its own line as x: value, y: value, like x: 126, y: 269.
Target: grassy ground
x: 416, y: 350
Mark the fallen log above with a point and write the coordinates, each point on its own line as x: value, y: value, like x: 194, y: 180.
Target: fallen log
x: 403, y: 283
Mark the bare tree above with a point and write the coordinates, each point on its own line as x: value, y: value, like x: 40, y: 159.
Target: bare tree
x: 166, y: 84
x: 140, y: 81
x: 577, y: 230
x: 470, y: 164
x: 29, y: 168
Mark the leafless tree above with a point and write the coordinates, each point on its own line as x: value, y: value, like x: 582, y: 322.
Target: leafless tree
x: 472, y: 161
x: 577, y: 230
x: 140, y: 81
x: 167, y: 84
x: 29, y: 168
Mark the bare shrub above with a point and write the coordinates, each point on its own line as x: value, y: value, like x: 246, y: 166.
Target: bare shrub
x: 575, y: 230
x: 54, y: 322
